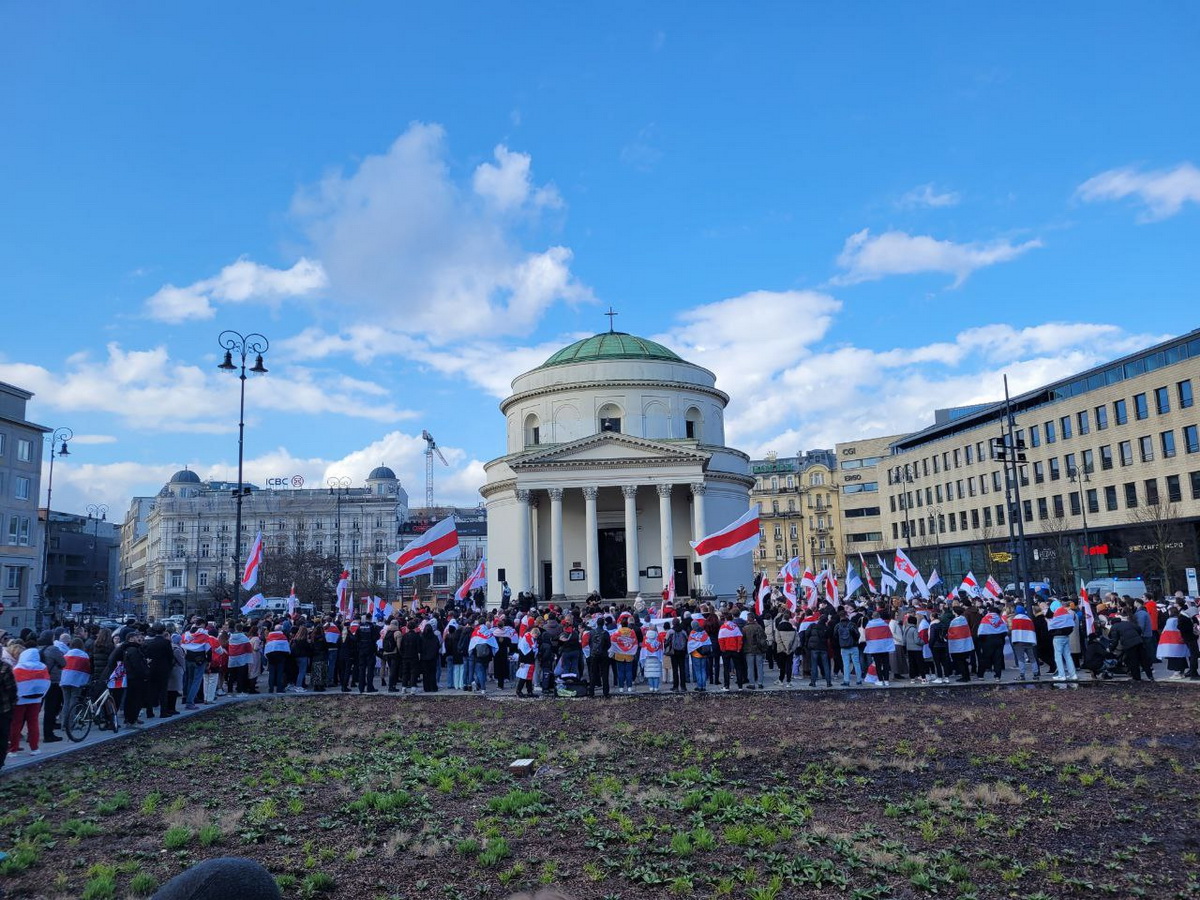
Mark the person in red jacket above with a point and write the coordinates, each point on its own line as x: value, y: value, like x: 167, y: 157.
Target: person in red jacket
x: 729, y: 639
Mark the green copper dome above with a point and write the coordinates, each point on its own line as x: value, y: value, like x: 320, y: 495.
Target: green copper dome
x: 610, y: 345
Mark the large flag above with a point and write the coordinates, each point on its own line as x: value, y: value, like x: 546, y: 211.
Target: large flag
x: 736, y: 539
x: 476, y: 577
x: 970, y: 585
x: 380, y: 608
x: 668, y: 594
x: 439, y: 542
x: 853, y: 582
x: 904, y: 569
x: 788, y: 573
x: 831, y: 587
x: 252, y: 603
x: 809, y: 586
x: 992, y: 589
x: 934, y: 580
x: 919, y: 587
x: 253, y: 561
x: 887, y: 579
x: 763, y: 592
x: 343, y: 594
x: 867, y: 571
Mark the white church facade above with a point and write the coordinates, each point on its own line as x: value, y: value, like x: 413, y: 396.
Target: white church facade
x: 615, y: 460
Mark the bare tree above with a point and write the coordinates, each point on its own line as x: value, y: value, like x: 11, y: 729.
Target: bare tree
x: 1161, y: 539
x: 1056, y: 552
x: 315, y: 576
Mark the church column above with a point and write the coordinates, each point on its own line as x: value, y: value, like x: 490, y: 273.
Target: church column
x: 557, y: 573
x: 591, y: 538
x: 698, y: 489
x: 666, y: 533
x: 535, y: 568
x: 522, y: 580
x: 632, y: 582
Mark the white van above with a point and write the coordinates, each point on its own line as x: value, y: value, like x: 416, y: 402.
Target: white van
x: 1123, y: 587
x: 277, y: 606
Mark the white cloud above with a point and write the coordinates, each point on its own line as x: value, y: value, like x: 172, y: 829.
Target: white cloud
x: 508, y: 185
x: 403, y: 243
x: 93, y: 439
x: 643, y: 153
x: 239, y: 282
x: 869, y: 258
x: 79, y: 482
x: 928, y: 195
x: 1163, y: 192
x: 147, y: 389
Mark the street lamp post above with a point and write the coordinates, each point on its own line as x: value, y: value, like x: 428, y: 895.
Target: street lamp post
x: 935, y: 520
x: 58, y: 440
x: 1080, y: 477
x: 242, y: 344
x: 96, y: 513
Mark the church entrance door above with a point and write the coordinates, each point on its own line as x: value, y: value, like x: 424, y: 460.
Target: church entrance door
x: 681, y: 577
x: 611, y: 545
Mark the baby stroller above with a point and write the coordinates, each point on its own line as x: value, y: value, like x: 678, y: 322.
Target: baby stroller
x: 1099, y: 659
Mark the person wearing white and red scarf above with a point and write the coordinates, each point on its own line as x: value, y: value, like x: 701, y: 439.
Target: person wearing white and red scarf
x: 527, y: 646
x: 625, y: 648
x: 278, y: 649
x: 76, y: 673
x: 729, y: 639
x: 992, y: 633
x: 33, y: 681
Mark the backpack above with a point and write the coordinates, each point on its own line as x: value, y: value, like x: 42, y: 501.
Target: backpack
x: 482, y: 653
x: 847, y: 635
x: 678, y: 641
x: 937, y: 636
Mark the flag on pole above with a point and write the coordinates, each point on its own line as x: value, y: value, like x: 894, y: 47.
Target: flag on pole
x: 867, y: 571
x: 253, y: 561
x: 831, y: 587
x: 970, y: 585
x: 343, y: 592
x: 903, y: 566
x: 853, y: 581
x: 992, y: 589
x: 808, y: 585
x: 476, y: 577
x: 736, y: 539
x: 380, y: 608
x: 763, y: 592
x: 253, y: 603
x: 934, y: 580
x: 887, y: 579
x: 668, y: 594
x: 292, y: 601
x: 920, y: 588
x: 788, y: 573
x: 439, y: 542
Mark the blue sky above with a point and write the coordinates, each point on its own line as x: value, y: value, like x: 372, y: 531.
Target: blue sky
x: 852, y: 213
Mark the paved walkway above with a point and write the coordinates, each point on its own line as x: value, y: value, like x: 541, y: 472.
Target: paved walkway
x: 25, y: 759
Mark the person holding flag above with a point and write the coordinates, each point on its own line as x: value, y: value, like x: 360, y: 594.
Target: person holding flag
x: 867, y: 572
x: 789, y: 575
x: 253, y: 563
x: 762, y: 593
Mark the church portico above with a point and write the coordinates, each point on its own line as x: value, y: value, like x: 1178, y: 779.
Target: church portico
x: 612, y: 511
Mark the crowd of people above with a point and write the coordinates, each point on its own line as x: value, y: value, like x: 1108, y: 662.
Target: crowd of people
x: 588, y: 649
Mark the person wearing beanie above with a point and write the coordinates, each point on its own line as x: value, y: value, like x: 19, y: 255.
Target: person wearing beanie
x: 54, y: 660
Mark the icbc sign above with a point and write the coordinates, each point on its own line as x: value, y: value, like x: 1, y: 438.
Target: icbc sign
x: 296, y: 481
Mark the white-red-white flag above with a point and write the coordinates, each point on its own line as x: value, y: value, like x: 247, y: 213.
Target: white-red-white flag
x: 668, y: 594
x: 992, y: 589
x: 439, y: 542
x: 253, y: 561
x: 292, y: 601
x: 970, y: 585
x: 764, y: 591
x: 867, y: 573
x: 903, y: 566
x: 789, y: 573
x: 1089, y: 615
x: 736, y: 539
x: 479, y: 576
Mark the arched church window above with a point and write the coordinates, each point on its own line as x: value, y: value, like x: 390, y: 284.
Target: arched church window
x: 533, y: 430
x: 610, y: 417
x: 692, y: 423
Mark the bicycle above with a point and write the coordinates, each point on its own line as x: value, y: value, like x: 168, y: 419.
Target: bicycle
x: 102, y: 711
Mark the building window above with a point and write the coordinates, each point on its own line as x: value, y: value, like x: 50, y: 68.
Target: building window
x: 816, y: 479
x: 21, y: 488
x: 1151, y: 491
x: 533, y: 431
x: 1130, y: 494
x: 1126, y: 450
x: 1101, y: 417
x: 793, y: 532
x: 1183, y: 390
x: 1140, y: 409
x: 1194, y: 478
x: 778, y: 532
x: 610, y: 417
x: 999, y: 513
x: 1043, y: 508
x: 1089, y: 461
x: 1146, y: 448
x: 791, y: 506
x: 1120, y: 413
x: 176, y: 578
x: 205, y: 550
x: 1174, y: 491
x: 1039, y: 472
x: 1106, y: 457
x: 1191, y: 439
x: 1167, y: 439
x: 987, y: 517
x: 1093, y: 501
x: 378, y: 545
x: 2, y: 443
x: 319, y: 548
x: 1055, y: 472
x: 24, y: 450
x: 12, y: 578
x: 1050, y: 437
x: 1058, y: 506
x: 1081, y: 420
x: 1035, y: 436
x: 202, y: 579
x: 957, y: 457
x: 1162, y: 400
x: 1110, y: 497
x: 1064, y: 426
x: 970, y: 454
x: 779, y: 552
x: 692, y: 424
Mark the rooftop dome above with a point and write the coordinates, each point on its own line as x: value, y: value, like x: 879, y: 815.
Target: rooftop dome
x: 379, y: 473
x: 185, y: 476
x: 610, y: 345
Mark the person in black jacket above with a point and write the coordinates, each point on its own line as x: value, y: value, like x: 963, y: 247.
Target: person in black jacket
x: 599, y: 641
x: 364, y: 658
x: 1128, y: 640
x: 347, y: 655
x: 431, y: 649
x: 1187, y: 631
x: 391, y: 655
x: 410, y: 657
x: 816, y: 642
x: 137, y: 673
x: 160, y: 657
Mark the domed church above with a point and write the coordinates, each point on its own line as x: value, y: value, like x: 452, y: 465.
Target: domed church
x: 615, y: 460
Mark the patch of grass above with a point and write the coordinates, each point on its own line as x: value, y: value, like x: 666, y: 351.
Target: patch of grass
x: 317, y: 883
x: 468, y: 847
x: 768, y: 891
x: 80, y: 828
x: 703, y: 840
x: 495, y: 851
x: 285, y: 882
x: 114, y: 804
x: 102, y: 887
x: 518, y: 801
x: 681, y: 844
x: 143, y: 884
x: 150, y: 803
x: 177, y: 837
x: 209, y: 834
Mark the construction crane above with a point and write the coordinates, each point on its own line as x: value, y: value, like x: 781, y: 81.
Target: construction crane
x: 431, y: 448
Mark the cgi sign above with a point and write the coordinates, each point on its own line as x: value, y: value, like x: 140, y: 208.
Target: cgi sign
x: 294, y: 481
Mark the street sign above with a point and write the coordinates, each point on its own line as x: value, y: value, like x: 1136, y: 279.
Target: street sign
x: 1193, y: 589
x: 226, y: 604
x: 1002, y: 557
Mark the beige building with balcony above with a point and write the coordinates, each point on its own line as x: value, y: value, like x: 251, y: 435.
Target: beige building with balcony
x: 1112, y: 463
x: 799, y: 501
x: 861, y: 467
